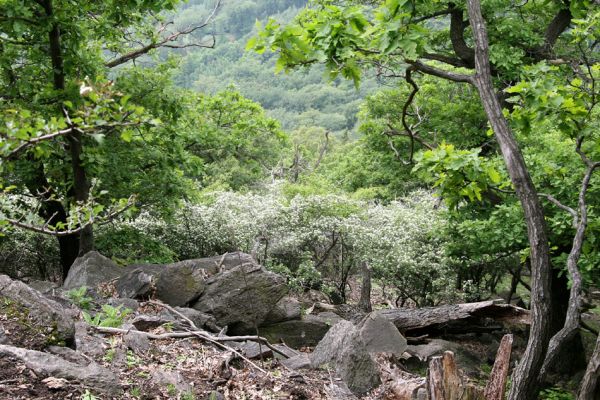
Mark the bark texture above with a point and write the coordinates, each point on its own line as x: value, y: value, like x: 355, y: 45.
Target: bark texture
x: 525, y: 380
x: 496, y: 386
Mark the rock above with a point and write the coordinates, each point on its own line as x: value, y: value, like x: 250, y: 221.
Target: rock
x: 307, y: 331
x: 147, y: 322
x: 300, y: 361
x: 69, y: 354
x: 43, y: 287
x: 339, y: 391
x: 88, y: 344
x: 131, y: 304
x: 3, y: 338
x: 287, y: 352
x: 286, y: 309
x: 214, y: 395
x: 137, y: 342
x: 381, y: 336
x: 175, y: 284
x: 138, y: 283
x: 242, y: 297
x: 91, y: 270
x: 254, y: 350
x: 91, y: 374
x: 163, y: 378
x: 343, y: 347
x: 469, y: 361
x: 200, y: 319
x: 32, y: 319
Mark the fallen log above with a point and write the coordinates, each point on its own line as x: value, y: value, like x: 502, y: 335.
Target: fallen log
x: 484, y: 316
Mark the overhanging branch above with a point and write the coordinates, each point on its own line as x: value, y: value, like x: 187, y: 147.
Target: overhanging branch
x: 168, y: 41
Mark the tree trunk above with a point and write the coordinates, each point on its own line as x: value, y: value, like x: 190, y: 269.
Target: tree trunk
x: 81, y: 190
x: 456, y: 318
x: 525, y: 379
x: 592, y: 373
x: 53, y: 212
x: 80, y: 182
x: 365, y: 290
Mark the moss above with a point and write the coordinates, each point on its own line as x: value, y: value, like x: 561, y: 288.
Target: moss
x: 25, y: 330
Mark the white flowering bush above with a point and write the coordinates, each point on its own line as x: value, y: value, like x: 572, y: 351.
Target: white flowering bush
x: 316, y: 241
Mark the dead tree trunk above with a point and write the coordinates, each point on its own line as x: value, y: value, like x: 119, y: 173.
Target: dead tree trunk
x: 444, y: 381
x: 456, y: 318
x: 497, y: 384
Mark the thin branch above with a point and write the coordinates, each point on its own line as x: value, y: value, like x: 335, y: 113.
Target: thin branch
x: 440, y: 73
x: 61, y: 233
x: 430, y: 16
x: 167, y: 41
x: 33, y: 141
x: 560, y: 205
x: 407, y: 104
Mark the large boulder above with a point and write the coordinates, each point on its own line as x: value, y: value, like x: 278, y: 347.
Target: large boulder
x: 242, y: 296
x: 307, y: 331
x: 178, y: 284
x: 91, y: 270
x: 88, y: 374
x: 344, y: 350
x: 288, y: 308
x: 32, y: 320
x: 200, y: 319
x: 381, y: 336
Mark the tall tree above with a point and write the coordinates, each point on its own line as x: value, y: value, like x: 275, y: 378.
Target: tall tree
x: 57, y: 103
x: 406, y: 35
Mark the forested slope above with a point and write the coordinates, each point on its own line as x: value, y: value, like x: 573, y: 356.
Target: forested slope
x: 296, y: 99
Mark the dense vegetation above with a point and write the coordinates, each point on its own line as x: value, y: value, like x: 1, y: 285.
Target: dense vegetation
x: 455, y: 181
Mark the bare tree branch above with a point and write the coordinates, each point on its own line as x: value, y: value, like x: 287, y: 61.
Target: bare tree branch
x: 560, y: 205
x: 61, y: 233
x: 167, y: 41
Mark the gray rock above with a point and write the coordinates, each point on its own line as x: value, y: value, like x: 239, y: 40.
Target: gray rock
x: 91, y: 374
x: 88, y: 344
x: 36, y: 315
x: 287, y: 352
x: 69, y: 354
x: 339, y: 391
x: 254, y: 350
x: 164, y: 378
x: 214, y: 395
x: 469, y: 361
x: 91, y: 270
x: 300, y: 361
x: 216, y: 264
x: 3, y: 338
x: 137, y: 284
x: 131, y: 304
x: 175, y: 284
x: 242, y: 297
x: 43, y: 287
x: 343, y: 347
x: 200, y: 319
x: 148, y: 322
x: 307, y: 331
x: 380, y: 335
x: 286, y: 309
x: 137, y: 342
